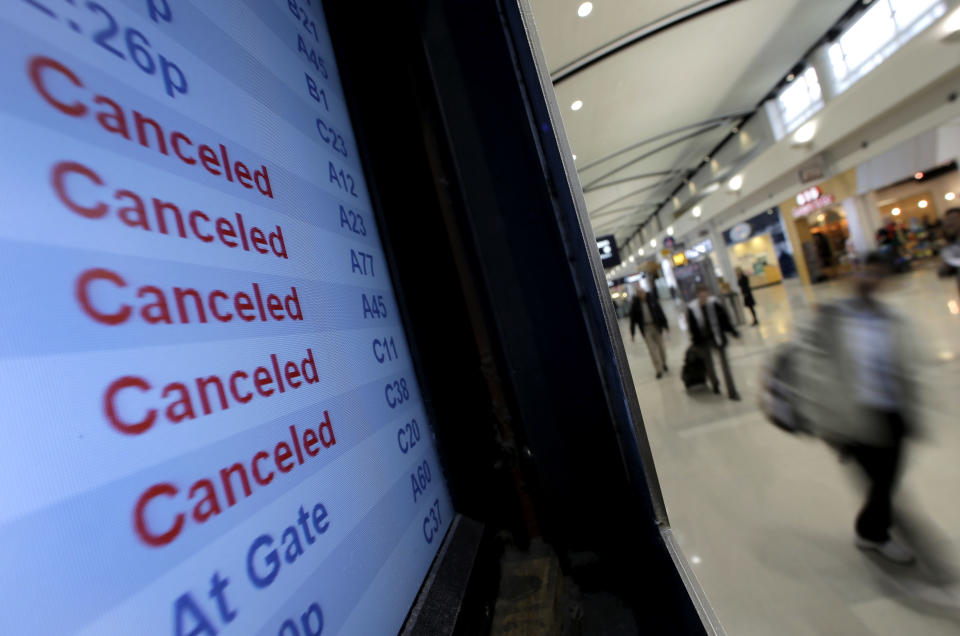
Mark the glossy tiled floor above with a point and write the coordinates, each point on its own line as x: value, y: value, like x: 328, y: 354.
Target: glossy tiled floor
x: 766, y: 518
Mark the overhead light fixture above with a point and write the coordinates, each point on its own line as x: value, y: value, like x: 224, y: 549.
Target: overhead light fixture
x: 577, y: 105
x: 950, y: 196
x: 670, y: 231
x: 640, y: 253
x: 791, y: 77
x: 805, y: 133
x: 631, y: 259
x: 736, y: 183
x: 822, y: 217
x: 917, y: 175
x: 653, y: 242
x: 922, y: 204
x: 895, y: 211
x: 584, y: 9
x: 697, y: 211
x: 574, y: 157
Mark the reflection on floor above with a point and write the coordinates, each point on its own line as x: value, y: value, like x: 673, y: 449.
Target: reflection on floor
x: 766, y: 518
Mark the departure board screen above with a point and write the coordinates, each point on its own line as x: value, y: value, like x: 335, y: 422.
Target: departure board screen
x: 211, y: 422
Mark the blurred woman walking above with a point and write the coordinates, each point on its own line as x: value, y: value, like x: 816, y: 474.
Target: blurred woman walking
x: 748, y: 300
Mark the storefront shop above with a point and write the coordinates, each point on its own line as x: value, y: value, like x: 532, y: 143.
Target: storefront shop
x: 910, y: 212
x: 759, y: 246
x: 818, y: 226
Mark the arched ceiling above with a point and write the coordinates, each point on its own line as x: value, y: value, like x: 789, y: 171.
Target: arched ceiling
x: 653, y: 110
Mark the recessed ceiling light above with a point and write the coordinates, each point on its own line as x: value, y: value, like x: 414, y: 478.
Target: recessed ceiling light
x: 895, y: 211
x: 918, y: 175
x: 697, y: 211
x: 631, y: 259
x: 736, y: 183
x: 653, y: 242
x: 640, y: 253
x: 584, y: 9
x: 805, y: 133
x: 950, y: 196
x: 791, y: 77
x: 670, y: 231
x: 577, y: 105
x: 922, y: 203
x: 574, y: 157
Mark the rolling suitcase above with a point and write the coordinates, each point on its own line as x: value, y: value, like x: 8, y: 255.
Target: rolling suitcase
x: 694, y: 371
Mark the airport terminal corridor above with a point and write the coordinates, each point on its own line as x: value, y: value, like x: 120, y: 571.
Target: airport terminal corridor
x: 766, y: 518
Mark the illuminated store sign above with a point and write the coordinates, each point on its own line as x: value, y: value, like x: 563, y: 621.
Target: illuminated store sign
x: 211, y: 420
x: 811, y: 200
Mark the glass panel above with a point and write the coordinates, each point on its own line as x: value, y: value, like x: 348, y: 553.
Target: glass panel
x: 800, y: 99
x: 868, y: 35
x: 906, y: 12
x: 837, y: 60
x: 813, y: 84
x: 794, y: 100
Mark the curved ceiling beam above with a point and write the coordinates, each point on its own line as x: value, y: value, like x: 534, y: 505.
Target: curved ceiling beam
x: 673, y: 142
x: 668, y: 21
x: 636, y: 207
x: 711, y: 123
x: 647, y: 175
x: 614, y: 227
x: 626, y: 196
x: 617, y: 218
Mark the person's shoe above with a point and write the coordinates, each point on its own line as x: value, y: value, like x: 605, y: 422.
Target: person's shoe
x: 891, y: 549
x: 755, y: 323
x: 736, y: 397
x: 716, y: 389
x: 666, y: 369
x: 659, y: 375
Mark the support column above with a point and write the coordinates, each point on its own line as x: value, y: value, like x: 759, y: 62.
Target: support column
x: 799, y: 258
x: 723, y: 256
x: 863, y: 219
x: 870, y: 214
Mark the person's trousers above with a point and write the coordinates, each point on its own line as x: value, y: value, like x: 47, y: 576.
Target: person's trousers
x: 881, y: 464
x: 706, y: 352
x: 654, y: 339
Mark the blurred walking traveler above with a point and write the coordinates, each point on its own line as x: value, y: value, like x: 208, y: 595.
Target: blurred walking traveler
x: 853, y: 388
x: 748, y: 301
x: 647, y: 314
x: 709, y: 325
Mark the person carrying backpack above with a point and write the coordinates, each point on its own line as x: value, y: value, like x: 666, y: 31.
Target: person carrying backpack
x: 848, y: 379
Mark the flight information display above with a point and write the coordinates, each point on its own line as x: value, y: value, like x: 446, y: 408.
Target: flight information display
x: 211, y: 422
